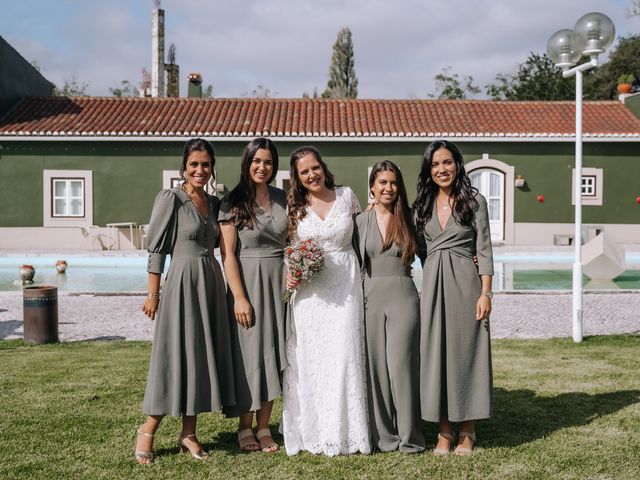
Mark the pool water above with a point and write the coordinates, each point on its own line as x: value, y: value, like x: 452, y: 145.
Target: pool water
x: 128, y: 273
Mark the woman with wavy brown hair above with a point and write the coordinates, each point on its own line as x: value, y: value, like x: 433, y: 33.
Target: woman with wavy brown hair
x: 455, y: 349
x: 325, y: 401
x: 387, y: 248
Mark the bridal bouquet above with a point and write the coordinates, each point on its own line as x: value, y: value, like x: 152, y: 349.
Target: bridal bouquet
x: 304, y: 259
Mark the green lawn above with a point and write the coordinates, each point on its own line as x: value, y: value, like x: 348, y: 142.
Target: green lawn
x: 562, y: 410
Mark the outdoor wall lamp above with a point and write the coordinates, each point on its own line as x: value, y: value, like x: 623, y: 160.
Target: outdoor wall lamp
x: 591, y: 36
x: 520, y: 181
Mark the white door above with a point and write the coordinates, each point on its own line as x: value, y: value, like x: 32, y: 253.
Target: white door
x: 490, y: 183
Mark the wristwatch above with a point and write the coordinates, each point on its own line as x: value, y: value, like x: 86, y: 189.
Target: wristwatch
x: 488, y: 294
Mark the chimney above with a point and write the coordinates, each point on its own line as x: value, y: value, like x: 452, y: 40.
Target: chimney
x: 195, y: 85
x: 157, y: 51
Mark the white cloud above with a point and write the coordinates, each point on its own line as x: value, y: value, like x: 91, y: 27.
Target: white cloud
x: 285, y: 45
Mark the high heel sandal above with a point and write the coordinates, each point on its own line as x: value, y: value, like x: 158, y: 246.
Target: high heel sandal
x: 268, y: 447
x: 142, y: 455
x: 441, y: 452
x: 463, y: 451
x: 199, y: 455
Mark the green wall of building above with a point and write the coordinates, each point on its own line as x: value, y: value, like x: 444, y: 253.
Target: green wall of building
x: 127, y: 175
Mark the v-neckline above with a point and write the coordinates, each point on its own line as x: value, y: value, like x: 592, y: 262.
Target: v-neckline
x: 204, y: 219
x: 380, y: 236
x: 446, y: 224
x: 330, y: 210
x: 267, y: 213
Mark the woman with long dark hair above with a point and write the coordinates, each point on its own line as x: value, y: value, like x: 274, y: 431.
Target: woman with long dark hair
x: 254, y: 225
x: 387, y: 248
x: 325, y: 401
x: 455, y: 370
x: 190, y: 369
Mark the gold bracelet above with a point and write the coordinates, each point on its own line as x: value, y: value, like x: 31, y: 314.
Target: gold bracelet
x: 153, y: 296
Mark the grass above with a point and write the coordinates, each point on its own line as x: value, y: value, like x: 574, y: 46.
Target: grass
x: 562, y: 411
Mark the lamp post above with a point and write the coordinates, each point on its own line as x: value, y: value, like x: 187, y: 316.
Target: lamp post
x: 591, y: 36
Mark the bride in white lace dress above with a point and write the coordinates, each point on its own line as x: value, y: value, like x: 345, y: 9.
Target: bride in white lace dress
x: 325, y: 402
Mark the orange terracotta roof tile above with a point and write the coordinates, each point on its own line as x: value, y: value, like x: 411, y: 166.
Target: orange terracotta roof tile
x: 275, y: 117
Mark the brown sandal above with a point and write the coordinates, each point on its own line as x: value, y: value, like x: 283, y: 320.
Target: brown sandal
x: 247, y: 441
x: 266, y: 445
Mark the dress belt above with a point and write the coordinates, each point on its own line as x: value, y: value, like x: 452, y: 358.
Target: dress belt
x: 266, y: 252
x: 387, y: 267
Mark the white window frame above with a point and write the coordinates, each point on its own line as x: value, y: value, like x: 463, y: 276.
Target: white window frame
x: 67, y: 198
x: 597, y: 197
x: 48, y: 218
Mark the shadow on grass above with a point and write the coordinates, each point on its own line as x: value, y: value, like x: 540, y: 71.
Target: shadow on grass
x: 224, y: 441
x: 521, y: 416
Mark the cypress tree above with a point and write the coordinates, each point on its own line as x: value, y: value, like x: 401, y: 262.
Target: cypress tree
x: 343, y: 82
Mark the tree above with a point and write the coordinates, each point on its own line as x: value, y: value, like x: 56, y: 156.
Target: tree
x: 260, y: 92
x: 634, y: 9
x: 71, y: 88
x: 536, y: 79
x: 450, y: 86
x: 207, y: 92
x: 315, y: 94
x: 125, y: 90
x: 343, y: 82
x: 624, y: 59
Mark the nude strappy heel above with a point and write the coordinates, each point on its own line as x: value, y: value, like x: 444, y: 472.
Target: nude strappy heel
x: 441, y: 452
x: 142, y: 455
x: 199, y: 455
x: 462, y: 451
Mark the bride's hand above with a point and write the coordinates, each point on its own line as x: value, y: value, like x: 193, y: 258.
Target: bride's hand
x: 292, y: 283
x: 243, y: 312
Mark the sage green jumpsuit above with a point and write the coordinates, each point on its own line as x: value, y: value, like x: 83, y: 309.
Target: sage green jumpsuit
x: 392, y: 326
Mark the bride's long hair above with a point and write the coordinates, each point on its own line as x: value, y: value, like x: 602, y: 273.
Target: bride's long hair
x: 297, y: 200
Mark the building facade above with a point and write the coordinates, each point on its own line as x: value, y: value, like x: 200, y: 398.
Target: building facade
x: 71, y: 166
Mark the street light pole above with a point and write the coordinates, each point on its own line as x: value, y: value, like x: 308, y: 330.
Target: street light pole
x: 592, y: 34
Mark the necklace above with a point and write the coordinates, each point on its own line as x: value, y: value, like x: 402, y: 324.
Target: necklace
x: 445, y: 206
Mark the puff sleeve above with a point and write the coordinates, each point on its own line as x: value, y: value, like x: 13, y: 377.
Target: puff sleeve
x: 224, y: 214
x: 162, y: 230
x: 484, y: 251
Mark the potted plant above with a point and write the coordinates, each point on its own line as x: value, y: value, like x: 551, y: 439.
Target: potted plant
x: 625, y: 82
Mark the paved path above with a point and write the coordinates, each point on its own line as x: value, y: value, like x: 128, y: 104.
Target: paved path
x: 516, y: 315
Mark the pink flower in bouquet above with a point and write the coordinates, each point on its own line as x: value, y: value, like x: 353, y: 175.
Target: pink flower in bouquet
x: 304, y: 259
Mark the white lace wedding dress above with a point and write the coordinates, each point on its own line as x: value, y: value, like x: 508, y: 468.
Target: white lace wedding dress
x: 325, y: 400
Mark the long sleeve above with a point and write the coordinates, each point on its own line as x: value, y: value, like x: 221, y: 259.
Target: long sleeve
x: 484, y: 250
x: 162, y: 231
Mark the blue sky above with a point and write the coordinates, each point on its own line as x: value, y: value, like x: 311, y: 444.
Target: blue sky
x: 285, y: 45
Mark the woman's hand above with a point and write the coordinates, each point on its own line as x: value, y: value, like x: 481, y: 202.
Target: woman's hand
x: 483, y: 307
x: 150, y: 307
x: 243, y: 312
x: 292, y: 283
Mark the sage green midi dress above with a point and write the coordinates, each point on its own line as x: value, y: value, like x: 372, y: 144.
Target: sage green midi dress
x: 455, y: 348
x: 259, y: 353
x: 392, y: 332
x: 191, y: 369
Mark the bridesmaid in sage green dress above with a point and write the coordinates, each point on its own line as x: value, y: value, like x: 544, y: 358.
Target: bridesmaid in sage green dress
x: 387, y: 246
x: 190, y: 369
x: 254, y: 225
x: 455, y: 373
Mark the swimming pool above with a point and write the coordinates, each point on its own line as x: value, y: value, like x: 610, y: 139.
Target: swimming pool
x: 127, y: 273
